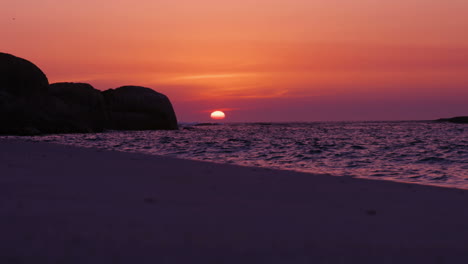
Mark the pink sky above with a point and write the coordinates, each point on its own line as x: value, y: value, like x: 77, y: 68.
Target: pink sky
x: 264, y: 60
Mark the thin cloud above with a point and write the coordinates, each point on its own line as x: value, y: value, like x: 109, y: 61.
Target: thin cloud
x: 214, y: 76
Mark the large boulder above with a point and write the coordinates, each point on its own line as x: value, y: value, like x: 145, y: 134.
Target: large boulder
x: 457, y: 120
x: 79, y: 106
x: 23, y: 97
x: 139, y: 108
x: 20, y: 77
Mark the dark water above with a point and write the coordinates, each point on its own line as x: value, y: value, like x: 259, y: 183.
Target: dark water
x: 421, y: 152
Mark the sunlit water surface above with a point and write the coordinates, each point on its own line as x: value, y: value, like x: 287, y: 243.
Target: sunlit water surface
x: 421, y: 152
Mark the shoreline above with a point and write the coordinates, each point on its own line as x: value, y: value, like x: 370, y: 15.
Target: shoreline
x: 428, y: 154
x: 302, y: 171
x: 84, y: 205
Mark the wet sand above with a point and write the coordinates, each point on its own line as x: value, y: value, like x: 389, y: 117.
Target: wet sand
x: 63, y: 204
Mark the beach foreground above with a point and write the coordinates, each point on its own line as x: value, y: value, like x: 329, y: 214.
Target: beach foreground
x: 62, y: 204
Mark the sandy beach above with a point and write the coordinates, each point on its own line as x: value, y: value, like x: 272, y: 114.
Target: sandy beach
x: 63, y: 204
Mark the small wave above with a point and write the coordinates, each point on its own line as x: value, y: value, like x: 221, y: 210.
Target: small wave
x: 358, y: 147
x: 93, y: 138
x: 165, y: 140
x: 441, y: 178
x: 432, y: 160
x: 274, y: 158
x: 352, y: 164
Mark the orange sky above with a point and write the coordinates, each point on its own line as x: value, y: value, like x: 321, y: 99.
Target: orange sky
x: 264, y: 60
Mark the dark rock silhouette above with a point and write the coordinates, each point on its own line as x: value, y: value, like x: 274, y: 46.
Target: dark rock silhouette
x: 23, y: 97
x: 80, y: 106
x: 29, y: 106
x: 138, y: 108
x: 21, y: 77
x: 457, y: 120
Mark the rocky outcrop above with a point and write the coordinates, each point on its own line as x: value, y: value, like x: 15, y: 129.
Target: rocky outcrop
x: 457, y: 120
x: 80, y: 106
x: 138, y: 108
x: 28, y: 105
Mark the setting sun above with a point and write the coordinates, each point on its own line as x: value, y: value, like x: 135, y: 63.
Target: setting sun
x: 218, y: 115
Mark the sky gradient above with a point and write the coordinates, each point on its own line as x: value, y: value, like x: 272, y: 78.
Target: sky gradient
x: 264, y: 60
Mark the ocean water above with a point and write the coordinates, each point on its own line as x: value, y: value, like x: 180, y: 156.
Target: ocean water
x: 420, y: 152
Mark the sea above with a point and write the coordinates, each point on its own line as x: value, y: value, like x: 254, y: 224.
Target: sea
x: 421, y: 152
